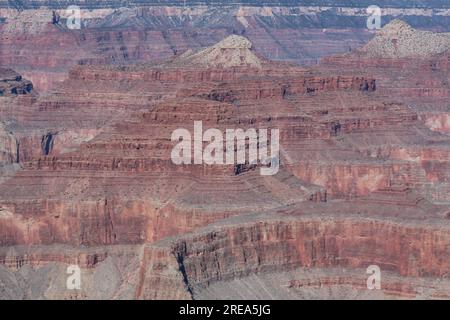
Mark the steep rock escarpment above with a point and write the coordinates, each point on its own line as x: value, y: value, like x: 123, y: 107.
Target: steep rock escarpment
x: 362, y: 180
x: 291, y: 243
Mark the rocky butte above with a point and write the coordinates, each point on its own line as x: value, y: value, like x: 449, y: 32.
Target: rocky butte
x: 364, y: 177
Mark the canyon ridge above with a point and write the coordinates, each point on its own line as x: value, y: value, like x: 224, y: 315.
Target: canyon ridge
x: 87, y: 176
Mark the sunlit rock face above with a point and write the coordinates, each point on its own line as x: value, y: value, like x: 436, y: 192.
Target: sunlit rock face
x: 87, y: 175
x: 399, y: 40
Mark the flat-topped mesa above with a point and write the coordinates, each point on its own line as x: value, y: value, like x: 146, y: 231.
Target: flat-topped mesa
x: 399, y: 40
x: 233, y: 51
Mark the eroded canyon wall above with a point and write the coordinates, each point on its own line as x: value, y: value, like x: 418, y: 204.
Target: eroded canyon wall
x: 363, y: 178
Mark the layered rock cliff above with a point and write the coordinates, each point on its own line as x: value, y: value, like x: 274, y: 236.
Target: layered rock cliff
x: 363, y: 180
x: 37, y: 42
x: 294, y: 241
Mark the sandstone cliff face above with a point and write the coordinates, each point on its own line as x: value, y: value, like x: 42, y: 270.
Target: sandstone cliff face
x: 261, y: 244
x: 8, y: 147
x: 12, y: 87
x: 363, y: 180
x: 426, y: 95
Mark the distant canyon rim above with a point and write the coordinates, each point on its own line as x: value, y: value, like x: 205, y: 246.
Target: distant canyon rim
x: 303, y: 32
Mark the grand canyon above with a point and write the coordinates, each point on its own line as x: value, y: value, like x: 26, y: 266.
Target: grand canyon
x: 88, y: 179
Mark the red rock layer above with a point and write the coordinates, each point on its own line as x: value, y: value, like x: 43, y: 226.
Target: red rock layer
x: 297, y: 239
x: 96, y: 171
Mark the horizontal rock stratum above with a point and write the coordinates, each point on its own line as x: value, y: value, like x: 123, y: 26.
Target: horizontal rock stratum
x: 87, y: 177
x: 38, y: 44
